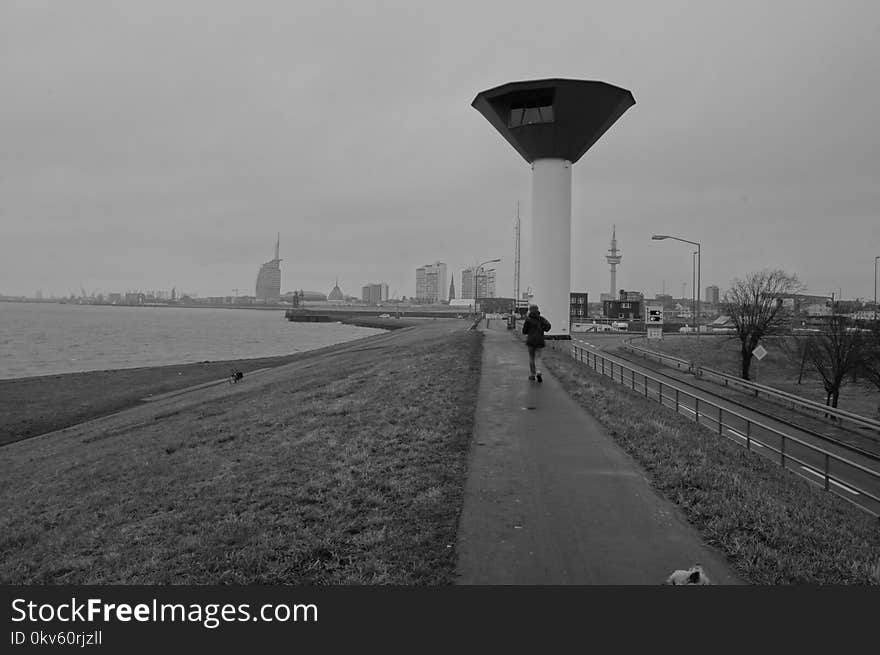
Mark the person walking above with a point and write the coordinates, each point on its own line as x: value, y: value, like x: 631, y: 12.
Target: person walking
x: 534, y: 328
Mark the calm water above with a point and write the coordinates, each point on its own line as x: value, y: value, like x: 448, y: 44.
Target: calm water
x: 50, y: 338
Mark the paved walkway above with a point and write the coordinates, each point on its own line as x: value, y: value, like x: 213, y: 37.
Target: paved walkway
x: 551, y: 499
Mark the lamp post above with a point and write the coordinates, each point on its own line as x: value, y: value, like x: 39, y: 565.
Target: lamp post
x: 875, y: 286
x: 477, y: 268
x: 695, y: 292
x: 660, y: 237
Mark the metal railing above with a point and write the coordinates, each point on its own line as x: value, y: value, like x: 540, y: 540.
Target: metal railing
x: 854, y: 482
x: 731, y: 381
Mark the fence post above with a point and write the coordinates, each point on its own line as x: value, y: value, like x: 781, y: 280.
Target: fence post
x: 748, y: 434
x: 827, y: 472
x: 720, y: 424
x: 697, y: 409
x: 782, y: 453
x: 661, y: 392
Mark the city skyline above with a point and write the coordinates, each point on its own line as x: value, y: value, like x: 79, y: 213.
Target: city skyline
x: 762, y: 148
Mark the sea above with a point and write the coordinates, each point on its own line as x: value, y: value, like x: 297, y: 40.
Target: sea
x: 53, y: 338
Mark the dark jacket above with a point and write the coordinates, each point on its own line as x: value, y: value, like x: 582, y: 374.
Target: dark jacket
x: 534, y: 328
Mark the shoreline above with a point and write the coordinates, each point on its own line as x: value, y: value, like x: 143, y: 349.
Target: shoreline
x: 36, y: 405
x: 375, y: 323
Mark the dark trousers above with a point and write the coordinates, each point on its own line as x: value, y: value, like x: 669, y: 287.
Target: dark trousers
x: 533, y: 356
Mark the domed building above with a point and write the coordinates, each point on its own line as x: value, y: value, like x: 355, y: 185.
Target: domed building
x: 336, y: 294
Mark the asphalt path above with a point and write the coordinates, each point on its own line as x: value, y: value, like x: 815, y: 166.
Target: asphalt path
x: 552, y: 499
x: 756, y: 430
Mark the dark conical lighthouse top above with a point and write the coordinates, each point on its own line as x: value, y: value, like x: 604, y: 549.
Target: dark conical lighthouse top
x: 553, y: 118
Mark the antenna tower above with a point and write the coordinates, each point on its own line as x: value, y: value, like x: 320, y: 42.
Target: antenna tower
x: 516, y: 258
x: 613, y: 257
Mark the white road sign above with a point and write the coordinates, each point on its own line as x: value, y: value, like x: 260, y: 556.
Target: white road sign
x: 759, y: 352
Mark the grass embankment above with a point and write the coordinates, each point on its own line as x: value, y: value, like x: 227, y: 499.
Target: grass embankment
x: 36, y: 405
x: 346, y: 473
x: 779, y: 369
x: 774, y: 527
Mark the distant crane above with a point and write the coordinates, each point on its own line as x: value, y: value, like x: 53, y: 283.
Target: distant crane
x: 397, y: 302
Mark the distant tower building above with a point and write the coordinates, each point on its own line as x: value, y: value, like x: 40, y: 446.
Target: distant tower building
x: 431, y: 282
x: 336, y: 294
x: 485, y: 283
x: 712, y: 294
x: 269, y: 278
x: 452, y: 288
x: 613, y: 257
x: 467, y: 284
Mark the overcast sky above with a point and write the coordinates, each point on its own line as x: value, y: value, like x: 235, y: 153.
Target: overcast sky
x: 160, y: 144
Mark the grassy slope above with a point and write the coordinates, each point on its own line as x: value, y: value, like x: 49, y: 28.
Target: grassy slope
x: 40, y: 404
x: 775, y: 527
x: 778, y: 369
x: 349, y: 473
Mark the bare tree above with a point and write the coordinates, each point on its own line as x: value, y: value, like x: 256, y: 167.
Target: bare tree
x: 754, y: 304
x: 838, y: 354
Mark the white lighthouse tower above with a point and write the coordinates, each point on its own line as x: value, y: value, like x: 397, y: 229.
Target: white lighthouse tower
x: 551, y: 124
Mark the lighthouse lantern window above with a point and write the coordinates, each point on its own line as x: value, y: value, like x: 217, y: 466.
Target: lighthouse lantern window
x: 538, y: 110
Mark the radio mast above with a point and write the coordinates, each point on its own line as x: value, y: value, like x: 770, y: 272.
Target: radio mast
x: 516, y: 259
x: 613, y: 257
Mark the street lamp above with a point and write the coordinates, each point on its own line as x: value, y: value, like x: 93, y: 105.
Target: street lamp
x: 477, y: 268
x: 660, y: 237
x: 696, y: 290
x: 875, y: 286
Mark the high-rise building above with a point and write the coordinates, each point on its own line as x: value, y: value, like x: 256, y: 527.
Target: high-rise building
x: 485, y: 283
x: 431, y: 283
x: 373, y: 294
x: 452, y: 289
x: 712, y: 294
x: 269, y: 278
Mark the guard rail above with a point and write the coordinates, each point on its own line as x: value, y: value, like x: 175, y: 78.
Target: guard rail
x: 789, y: 399
x: 848, y: 479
